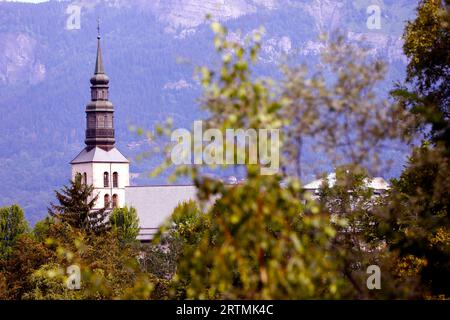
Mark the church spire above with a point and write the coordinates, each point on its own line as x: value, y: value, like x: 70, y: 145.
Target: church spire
x: 99, y: 62
x: 99, y: 111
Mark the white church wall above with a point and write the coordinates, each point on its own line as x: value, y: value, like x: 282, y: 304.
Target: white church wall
x: 99, y: 168
x: 83, y: 168
x: 154, y: 204
x: 94, y: 174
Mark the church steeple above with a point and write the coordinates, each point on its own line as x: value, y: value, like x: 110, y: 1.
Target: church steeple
x: 99, y: 111
x: 100, y: 163
x: 99, y: 62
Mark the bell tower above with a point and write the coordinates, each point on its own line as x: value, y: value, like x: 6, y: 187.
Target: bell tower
x: 99, y: 111
x: 100, y: 163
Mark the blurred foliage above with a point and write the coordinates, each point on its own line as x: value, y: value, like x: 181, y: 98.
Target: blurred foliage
x: 160, y: 258
x: 339, y: 108
x: 109, y: 268
x: 350, y: 203
x: 184, y: 229
x: 263, y: 242
x: 48, y: 282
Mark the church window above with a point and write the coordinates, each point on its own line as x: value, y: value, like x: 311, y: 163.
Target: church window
x: 106, y: 200
x: 115, y: 200
x: 115, y: 180
x: 84, y: 178
x: 106, y: 179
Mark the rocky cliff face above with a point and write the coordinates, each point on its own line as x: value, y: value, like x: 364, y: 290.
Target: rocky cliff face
x: 181, y: 19
x: 18, y: 61
x: 182, y: 14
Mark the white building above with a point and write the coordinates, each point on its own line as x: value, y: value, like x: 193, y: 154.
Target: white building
x: 377, y: 184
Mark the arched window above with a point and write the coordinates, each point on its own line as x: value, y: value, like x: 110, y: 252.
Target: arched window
x: 84, y: 178
x: 115, y: 200
x: 115, y: 180
x: 106, y: 200
x: 106, y: 179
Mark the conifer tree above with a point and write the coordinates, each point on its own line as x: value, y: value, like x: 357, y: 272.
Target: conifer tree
x: 76, y: 207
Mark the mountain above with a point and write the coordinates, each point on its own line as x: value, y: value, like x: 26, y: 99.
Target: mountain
x: 150, y: 52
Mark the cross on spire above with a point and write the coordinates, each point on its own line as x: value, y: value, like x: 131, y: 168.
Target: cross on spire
x: 98, y: 27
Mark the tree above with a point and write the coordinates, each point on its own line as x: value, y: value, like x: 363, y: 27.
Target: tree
x: 3, y: 287
x: 12, y: 225
x: 41, y: 227
x: 109, y: 269
x: 27, y: 255
x: 347, y: 196
x: 414, y: 219
x: 426, y: 91
x: 48, y: 282
x: 125, y: 222
x: 264, y: 242
x: 415, y: 222
x: 76, y: 207
x: 181, y: 232
x: 337, y: 113
x: 184, y: 228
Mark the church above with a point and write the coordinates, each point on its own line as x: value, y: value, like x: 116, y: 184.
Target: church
x: 104, y: 167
